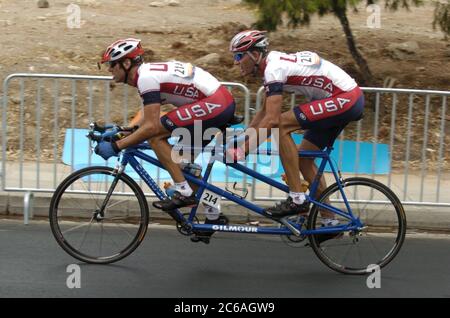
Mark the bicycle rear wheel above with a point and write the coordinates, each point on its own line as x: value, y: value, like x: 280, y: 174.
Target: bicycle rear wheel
x: 86, y: 232
x: 383, y: 217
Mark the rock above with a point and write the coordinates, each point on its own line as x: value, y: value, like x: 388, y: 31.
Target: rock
x: 144, y: 31
x: 65, y: 99
x: 157, y: 4
x: 420, y: 69
x: 177, y: 45
x: 15, y: 100
x: 74, y: 68
x: 212, y: 58
x: 173, y: 3
x: 43, y: 4
x: 89, y: 3
x: 399, y: 138
x: 383, y: 132
x: 6, y: 22
x: 215, y: 42
x: 41, y: 18
x: 403, y: 50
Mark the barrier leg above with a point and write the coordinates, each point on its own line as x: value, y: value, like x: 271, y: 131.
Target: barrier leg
x: 28, y: 207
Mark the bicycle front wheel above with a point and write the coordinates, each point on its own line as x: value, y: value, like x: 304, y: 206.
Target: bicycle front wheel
x: 376, y: 244
x: 89, y: 232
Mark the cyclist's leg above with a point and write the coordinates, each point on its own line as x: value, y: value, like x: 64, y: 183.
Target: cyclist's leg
x: 295, y: 203
x: 218, y: 110
x: 184, y: 195
x: 325, y: 128
x: 288, y: 150
x: 211, y: 112
x: 309, y: 169
x: 159, y: 144
x: 317, y: 140
x: 163, y: 151
x: 323, y: 124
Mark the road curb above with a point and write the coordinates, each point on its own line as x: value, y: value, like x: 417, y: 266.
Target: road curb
x: 417, y: 217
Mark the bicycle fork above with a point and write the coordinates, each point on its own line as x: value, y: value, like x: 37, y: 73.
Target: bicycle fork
x: 100, y: 214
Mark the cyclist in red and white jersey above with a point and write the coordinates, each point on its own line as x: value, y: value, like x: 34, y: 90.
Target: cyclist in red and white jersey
x: 199, y: 97
x: 334, y: 100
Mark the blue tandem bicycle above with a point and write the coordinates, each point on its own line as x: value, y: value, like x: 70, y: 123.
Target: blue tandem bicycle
x: 100, y: 214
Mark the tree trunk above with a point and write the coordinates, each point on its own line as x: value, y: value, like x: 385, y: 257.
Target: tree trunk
x: 362, y: 63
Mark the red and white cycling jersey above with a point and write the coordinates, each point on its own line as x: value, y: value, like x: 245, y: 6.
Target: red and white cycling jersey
x: 175, y: 83
x: 305, y: 73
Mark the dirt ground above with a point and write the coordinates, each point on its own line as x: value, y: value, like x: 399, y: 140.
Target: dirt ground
x: 39, y: 41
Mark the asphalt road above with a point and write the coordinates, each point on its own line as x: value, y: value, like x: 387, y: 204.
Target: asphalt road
x: 168, y: 265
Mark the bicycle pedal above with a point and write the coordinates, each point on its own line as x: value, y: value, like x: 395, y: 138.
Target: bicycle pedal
x: 158, y: 204
x: 204, y: 239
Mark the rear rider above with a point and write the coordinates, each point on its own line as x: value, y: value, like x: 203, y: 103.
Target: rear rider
x: 334, y: 100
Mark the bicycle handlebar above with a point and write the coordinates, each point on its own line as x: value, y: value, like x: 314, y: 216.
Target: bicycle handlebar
x: 108, y: 131
x: 112, y: 132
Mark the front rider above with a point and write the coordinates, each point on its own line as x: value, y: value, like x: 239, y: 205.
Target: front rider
x: 200, y: 100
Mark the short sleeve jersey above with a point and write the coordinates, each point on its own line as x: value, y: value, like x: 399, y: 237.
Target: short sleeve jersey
x: 175, y: 83
x: 305, y: 73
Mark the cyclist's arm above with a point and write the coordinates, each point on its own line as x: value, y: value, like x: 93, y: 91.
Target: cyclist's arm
x: 147, y: 129
x: 259, y: 115
x: 137, y: 119
x: 272, y: 114
x: 269, y: 120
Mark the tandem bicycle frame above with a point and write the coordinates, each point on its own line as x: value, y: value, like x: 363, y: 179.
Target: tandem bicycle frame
x: 291, y: 228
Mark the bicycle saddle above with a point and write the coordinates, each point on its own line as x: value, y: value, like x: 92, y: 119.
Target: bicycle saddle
x: 237, y: 119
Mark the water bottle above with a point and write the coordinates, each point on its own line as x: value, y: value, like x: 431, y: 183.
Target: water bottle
x: 191, y: 168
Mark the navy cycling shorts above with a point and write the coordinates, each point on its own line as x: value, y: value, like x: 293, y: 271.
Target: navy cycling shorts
x: 325, y: 119
x: 214, y: 111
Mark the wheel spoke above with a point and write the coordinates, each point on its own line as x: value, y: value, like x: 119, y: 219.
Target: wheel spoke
x: 76, y: 227
x: 115, y: 204
x: 84, y: 236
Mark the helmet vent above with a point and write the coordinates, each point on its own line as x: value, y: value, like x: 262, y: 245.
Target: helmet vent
x: 244, y: 43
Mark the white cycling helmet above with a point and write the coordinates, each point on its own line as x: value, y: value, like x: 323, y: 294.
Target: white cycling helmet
x: 124, y: 48
x: 249, y: 39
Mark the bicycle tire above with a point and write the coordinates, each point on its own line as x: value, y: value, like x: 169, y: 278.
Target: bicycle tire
x: 142, y: 217
x: 381, y: 230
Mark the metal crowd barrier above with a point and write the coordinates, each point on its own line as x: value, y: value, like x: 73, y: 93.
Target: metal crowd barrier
x: 75, y: 100
x: 420, y: 171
